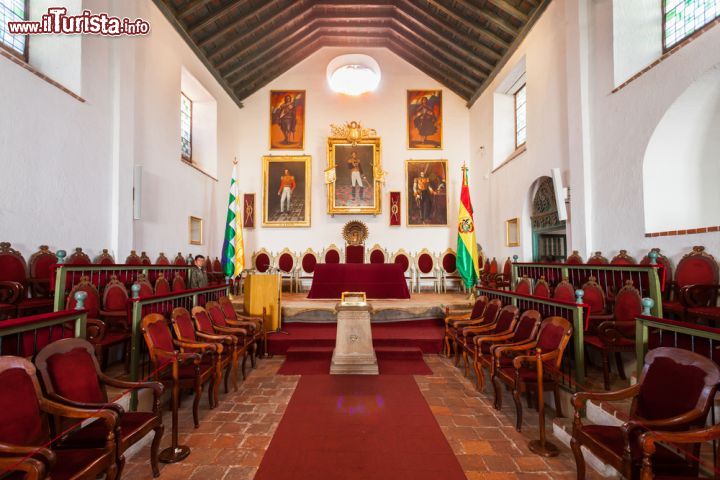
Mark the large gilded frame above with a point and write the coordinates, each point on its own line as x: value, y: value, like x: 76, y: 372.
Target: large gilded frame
x: 306, y: 161
x: 330, y: 177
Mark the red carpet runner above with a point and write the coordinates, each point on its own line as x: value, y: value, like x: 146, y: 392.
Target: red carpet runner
x: 355, y: 427
x: 391, y: 361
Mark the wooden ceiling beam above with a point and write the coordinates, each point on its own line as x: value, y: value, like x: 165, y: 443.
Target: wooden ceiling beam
x: 499, y: 22
x: 422, y: 16
x: 511, y: 10
x: 472, y: 27
x: 190, y: 8
x: 431, y: 72
x: 217, y: 15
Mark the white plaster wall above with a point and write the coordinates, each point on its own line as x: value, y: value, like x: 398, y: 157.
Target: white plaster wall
x: 637, y: 38
x: 504, y: 194
x: 383, y: 110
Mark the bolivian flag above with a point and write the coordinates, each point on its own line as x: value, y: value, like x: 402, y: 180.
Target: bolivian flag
x: 467, y: 254
x: 233, y: 250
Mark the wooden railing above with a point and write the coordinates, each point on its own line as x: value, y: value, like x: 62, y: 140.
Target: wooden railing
x: 66, y: 276
x: 574, y: 312
x: 25, y: 336
x: 138, y: 308
x: 649, y: 279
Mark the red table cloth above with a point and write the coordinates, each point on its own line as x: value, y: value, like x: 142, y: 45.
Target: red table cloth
x: 385, y: 280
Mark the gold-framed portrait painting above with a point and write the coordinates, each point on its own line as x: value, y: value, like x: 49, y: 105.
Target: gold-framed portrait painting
x: 287, y: 119
x: 424, y: 119
x: 286, y: 191
x: 353, y: 176
x: 427, y: 196
x: 512, y: 232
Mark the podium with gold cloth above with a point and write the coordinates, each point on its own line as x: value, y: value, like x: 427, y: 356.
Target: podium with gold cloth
x: 263, y: 291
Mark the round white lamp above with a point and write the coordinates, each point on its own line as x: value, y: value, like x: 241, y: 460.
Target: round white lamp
x: 353, y: 74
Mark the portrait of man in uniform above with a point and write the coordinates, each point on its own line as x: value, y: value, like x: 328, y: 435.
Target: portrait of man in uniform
x: 426, y: 182
x: 287, y: 119
x: 424, y: 123
x: 286, y: 191
x: 354, y: 184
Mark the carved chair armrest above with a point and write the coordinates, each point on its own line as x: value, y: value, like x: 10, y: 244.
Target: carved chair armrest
x: 531, y: 360
x: 42, y: 453
x: 85, y: 405
x: 36, y: 462
x: 648, y: 439
x: 511, y: 350
x: 467, y: 331
x: 95, y: 330
x: 494, y: 338
x: 611, y: 332
x: 466, y: 323
x: 579, y: 399
x: 662, y: 424
x: 227, y: 339
x: 11, y: 292
x: 107, y: 416
x: 699, y: 295
x: 211, y: 347
x: 243, y: 324
x: 177, y: 357
x: 232, y: 331
x: 156, y: 387
x: 249, y: 318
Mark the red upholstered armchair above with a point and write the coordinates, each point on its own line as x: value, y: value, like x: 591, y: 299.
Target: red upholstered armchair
x: 133, y: 259
x: 306, y: 268
x: 98, y: 333
x: 504, y: 280
x: 144, y: 259
x: 616, y: 334
x: 675, y: 392
x: 332, y: 254
x: 286, y: 263
x: 71, y: 375
x: 402, y: 258
x: 695, y: 268
x: 542, y: 288
x: 661, y: 259
x: 104, y: 258
x: 187, y: 370
x: 515, y: 365
x: 40, y: 270
x: 594, y: 297
x: 426, y: 270
x: 524, y: 286
x: 14, y: 269
x: 564, y: 291
x: 504, y: 323
x: 354, y: 253
x: 25, y: 431
x: 162, y: 260
x: 452, y: 317
x: 162, y: 286
x: 377, y: 254
x: 78, y: 257
x: 237, y: 339
x: 622, y: 258
x: 449, y: 271
x: 178, y: 283
x: 524, y: 330
x: 262, y: 261
x: 597, y: 259
x: 179, y: 260
x: 456, y: 328
x: 10, y: 294
x: 114, y: 304
x: 574, y: 258
x: 146, y: 289
x: 252, y: 326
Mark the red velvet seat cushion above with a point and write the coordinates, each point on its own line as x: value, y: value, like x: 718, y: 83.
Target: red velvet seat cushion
x: 542, y: 290
x: 355, y: 254
x: 523, y: 287
x: 204, y: 322
x: 184, y: 324
x: 685, y: 381
x: 71, y: 462
x: 403, y: 261
x: 449, y: 263
x: 162, y: 287
x: 550, y: 338
x: 262, y: 262
x: 595, y: 341
x: 706, y: 312
x: 12, y: 269
x: 478, y: 308
x: 286, y: 262
x: 425, y: 263
x: 696, y: 270
x: 94, y: 434
x: 332, y: 256
x: 217, y: 316
x: 178, y: 284
x: 377, y: 256
x: 595, y: 299
x: 308, y: 263
x: 228, y: 310
x: 628, y: 305
x: 19, y: 411
x: 564, y: 293
x: 74, y: 376
x: 115, y: 298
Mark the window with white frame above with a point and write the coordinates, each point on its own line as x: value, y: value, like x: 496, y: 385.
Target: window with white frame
x: 520, y: 116
x: 13, y: 11
x: 682, y: 18
x: 186, y: 108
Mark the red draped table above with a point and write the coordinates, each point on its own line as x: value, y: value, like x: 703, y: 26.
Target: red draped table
x: 385, y: 280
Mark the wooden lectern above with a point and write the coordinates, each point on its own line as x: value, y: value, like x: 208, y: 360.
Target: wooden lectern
x: 263, y: 291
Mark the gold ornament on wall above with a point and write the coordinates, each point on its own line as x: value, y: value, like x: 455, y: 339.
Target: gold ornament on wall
x: 355, y: 232
x: 352, y: 132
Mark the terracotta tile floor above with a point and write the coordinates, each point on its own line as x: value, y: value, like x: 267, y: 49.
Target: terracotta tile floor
x: 232, y: 438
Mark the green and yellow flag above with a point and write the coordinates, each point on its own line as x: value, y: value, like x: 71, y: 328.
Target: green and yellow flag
x: 467, y: 254
x: 233, y: 251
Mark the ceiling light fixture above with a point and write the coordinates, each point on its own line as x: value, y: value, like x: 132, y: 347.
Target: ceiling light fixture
x: 353, y: 74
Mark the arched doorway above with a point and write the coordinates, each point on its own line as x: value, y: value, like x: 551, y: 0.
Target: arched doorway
x: 549, y: 234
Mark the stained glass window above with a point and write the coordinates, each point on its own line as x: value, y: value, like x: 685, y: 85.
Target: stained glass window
x: 185, y: 127
x: 520, y: 117
x: 12, y: 11
x: 684, y: 17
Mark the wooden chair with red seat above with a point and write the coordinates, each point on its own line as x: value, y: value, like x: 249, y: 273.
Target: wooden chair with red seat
x: 144, y: 259
x: 146, y: 288
x: 25, y: 437
x: 262, y: 261
x: 306, y: 268
x: 187, y: 370
x: 523, y: 331
x: 162, y: 259
x: 253, y: 323
x: 227, y: 358
x: 179, y: 260
x: 71, y: 375
x: 104, y: 258
x: 661, y: 259
x: 404, y: 259
x: 616, y: 334
x: 449, y: 271
x: 10, y: 294
x: 564, y: 291
x: 254, y: 334
x: 695, y: 268
x: 503, y: 324
x: 597, y: 259
x: 285, y: 264
x: 114, y: 304
x: 542, y: 288
x: 238, y: 337
x: 485, y: 274
x: 515, y: 365
x: 426, y: 270
x: 14, y: 269
x: 162, y: 286
x: 377, y: 255
x: 451, y: 317
x: 524, y: 286
x: 178, y: 283
x: 504, y: 279
x: 332, y: 254
x: 98, y: 333
x: 574, y: 258
x: 133, y: 259
x: 622, y: 258
x: 217, y: 265
x: 493, y: 276
x: 78, y: 257
x: 40, y: 266
x: 675, y: 392
x: 649, y: 443
x: 457, y: 328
